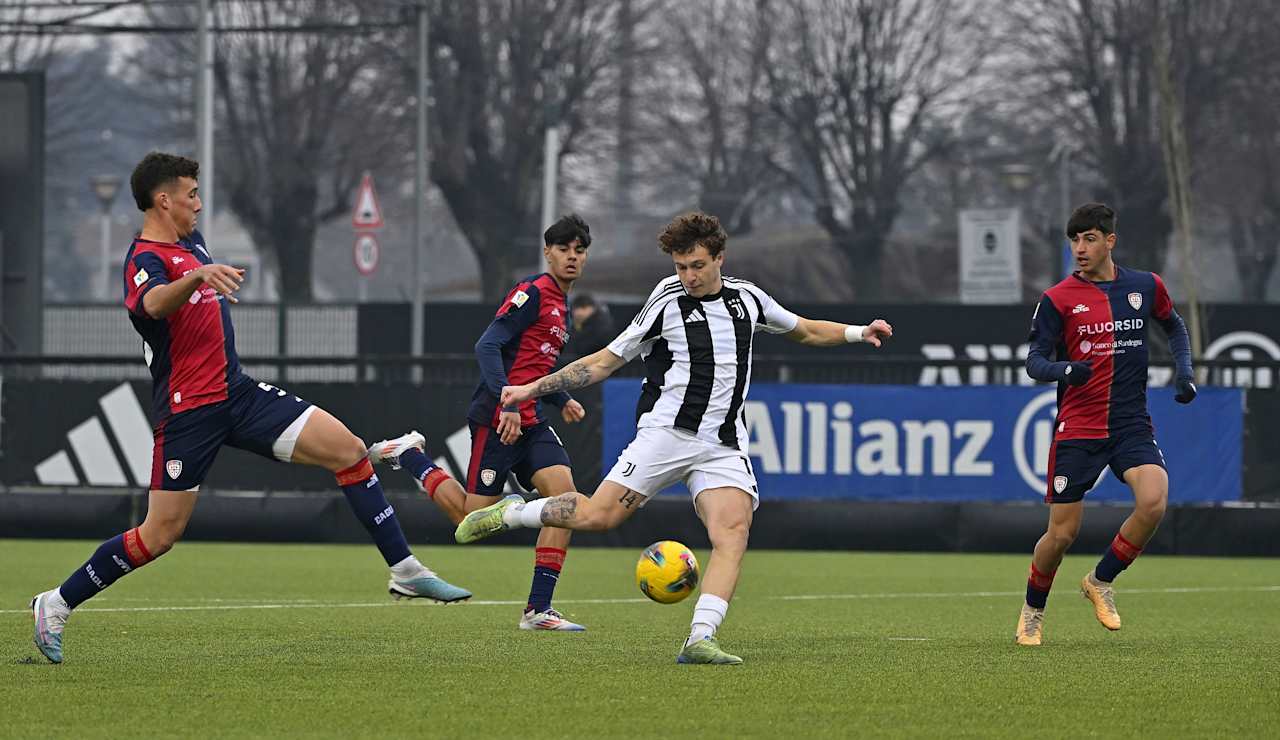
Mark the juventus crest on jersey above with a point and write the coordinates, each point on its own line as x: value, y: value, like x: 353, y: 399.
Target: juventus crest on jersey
x: 697, y: 355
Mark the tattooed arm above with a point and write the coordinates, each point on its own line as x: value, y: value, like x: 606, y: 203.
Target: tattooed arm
x: 579, y: 374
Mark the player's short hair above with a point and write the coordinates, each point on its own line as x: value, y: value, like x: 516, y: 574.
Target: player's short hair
x: 687, y: 231
x: 156, y: 170
x: 569, y: 227
x: 1091, y: 216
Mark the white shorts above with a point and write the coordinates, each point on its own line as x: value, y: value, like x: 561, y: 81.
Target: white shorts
x: 660, y: 456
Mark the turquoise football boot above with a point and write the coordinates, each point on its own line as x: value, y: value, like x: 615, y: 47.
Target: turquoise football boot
x: 50, y: 615
x: 429, y: 586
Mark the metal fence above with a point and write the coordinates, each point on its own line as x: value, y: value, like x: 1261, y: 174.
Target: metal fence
x: 461, y: 368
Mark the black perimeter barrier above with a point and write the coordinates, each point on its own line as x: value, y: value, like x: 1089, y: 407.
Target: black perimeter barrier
x: 247, y: 498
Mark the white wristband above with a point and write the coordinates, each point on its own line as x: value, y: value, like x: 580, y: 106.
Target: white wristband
x: 853, y: 333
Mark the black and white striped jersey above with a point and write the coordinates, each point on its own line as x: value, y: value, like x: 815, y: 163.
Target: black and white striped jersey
x: 697, y: 355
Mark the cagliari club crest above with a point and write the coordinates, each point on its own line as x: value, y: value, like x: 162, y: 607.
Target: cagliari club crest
x: 1135, y: 300
x: 1060, y: 483
x: 173, y: 468
x: 488, y: 475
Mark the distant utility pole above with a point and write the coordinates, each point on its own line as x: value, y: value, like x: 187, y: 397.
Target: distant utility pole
x: 550, y: 158
x: 420, y: 181
x: 1177, y: 165
x: 204, y: 113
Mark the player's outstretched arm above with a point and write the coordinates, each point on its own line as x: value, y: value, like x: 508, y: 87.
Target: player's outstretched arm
x: 579, y: 374
x: 817, y: 333
x: 163, y: 300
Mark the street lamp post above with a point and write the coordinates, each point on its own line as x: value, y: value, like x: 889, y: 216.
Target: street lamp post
x: 105, y: 187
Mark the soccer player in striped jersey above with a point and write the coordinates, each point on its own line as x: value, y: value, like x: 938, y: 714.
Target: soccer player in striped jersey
x: 695, y: 335
x: 178, y: 300
x: 1095, y: 322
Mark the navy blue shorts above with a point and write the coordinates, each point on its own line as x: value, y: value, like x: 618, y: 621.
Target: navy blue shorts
x: 253, y: 418
x: 1076, y: 464
x: 538, y: 447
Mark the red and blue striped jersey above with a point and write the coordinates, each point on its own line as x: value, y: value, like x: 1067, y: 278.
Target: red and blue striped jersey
x: 1104, y: 324
x: 191, y: 352
x: 521, y: 345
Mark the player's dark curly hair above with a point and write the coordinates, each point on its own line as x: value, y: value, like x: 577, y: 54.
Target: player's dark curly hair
x: 687, y: 231
x: 156, y: 170
x: 1091, y: 216
x: 568, y: 228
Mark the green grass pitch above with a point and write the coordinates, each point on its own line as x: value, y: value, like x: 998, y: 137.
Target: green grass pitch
x: 222, y: 640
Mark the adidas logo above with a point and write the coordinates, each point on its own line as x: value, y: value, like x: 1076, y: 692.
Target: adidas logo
x: 695, y: 317
x: 93, y: 451
x: 1080, y: 308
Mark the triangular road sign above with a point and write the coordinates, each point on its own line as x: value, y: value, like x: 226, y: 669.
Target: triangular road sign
x: 368, y: 214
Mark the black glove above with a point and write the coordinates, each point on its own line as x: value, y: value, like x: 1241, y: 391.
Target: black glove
x: 1186, y: 389
x: 1077, y: 373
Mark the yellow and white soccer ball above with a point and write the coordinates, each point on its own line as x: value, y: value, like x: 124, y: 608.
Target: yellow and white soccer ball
x: 667, y: 572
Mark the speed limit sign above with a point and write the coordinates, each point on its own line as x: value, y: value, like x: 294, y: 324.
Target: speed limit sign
x: 366, y: 253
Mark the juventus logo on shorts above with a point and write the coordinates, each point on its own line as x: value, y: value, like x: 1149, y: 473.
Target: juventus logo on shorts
x: 628, y: 470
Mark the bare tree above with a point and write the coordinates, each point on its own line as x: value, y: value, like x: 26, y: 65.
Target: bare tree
x: 1239, y: 165
x: 857, y: 84
x: 1086, y: 68
x: 713, y: 108
x: 301, y: 115
x: 501, y: 73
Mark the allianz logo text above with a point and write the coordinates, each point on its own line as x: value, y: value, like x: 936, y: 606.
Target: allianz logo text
x: 821, y: 438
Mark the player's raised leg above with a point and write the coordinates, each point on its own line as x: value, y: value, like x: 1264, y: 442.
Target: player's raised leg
x: 727, y: 513
x: 1064, y: 525
x: 408, y: 452
x: 549, y: 557
x: 610, y: 506
x: 167, y: 515
x: 1150, y: 484
x: 326, y: 442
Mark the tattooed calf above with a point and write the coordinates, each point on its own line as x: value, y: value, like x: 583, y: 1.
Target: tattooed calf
x: 559, y: 511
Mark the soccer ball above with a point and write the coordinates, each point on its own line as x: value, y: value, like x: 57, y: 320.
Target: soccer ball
x: 667, y: 572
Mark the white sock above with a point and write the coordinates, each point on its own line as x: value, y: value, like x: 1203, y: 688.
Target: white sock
x: 57, y: 602
x: 410, y: 568
x: 708, y: 613
x: 530, y: 515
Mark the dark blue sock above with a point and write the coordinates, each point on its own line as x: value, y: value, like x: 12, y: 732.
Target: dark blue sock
x: 1117, y: 557
x: 113, y: 559
x: 364, y: 493
x: 1038, y: 585
x: 546, y: 573
x: 416, y: 462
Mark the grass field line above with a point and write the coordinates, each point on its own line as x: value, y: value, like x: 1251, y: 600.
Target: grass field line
x: 984, y: 594
x: 285, y: 604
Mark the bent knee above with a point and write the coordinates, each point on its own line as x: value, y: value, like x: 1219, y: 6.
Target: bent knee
x: 1061, y: 539
x: 161, y: 539
x: 1152, y: 511
x: 730, y: 535
x: 355, y: 448
x: 601, y: 520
